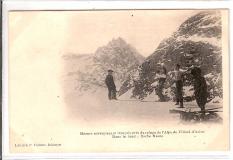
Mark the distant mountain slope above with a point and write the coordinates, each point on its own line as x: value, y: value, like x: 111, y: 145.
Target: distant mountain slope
x: 197, y: 42
x: 89, y: 71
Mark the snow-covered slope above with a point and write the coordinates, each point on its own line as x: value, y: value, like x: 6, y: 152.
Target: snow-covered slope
x: 88, y: 71
x: 197, y: 42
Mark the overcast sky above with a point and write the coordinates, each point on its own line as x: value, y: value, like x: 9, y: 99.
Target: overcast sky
x: 84, y: 31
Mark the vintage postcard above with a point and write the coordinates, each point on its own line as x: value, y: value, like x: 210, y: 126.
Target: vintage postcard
x: 118, y: 81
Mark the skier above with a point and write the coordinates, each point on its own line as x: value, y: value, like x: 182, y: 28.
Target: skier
x: 179, y: 86
x: 200, y: 88
x: 111, y: 85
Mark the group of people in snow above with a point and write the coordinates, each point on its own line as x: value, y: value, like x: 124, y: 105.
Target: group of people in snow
x: 161, y: 76
x: 199, y: 83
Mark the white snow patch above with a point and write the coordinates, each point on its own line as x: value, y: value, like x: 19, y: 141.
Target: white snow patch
x: 217, y: 100
x: 127, y: 95
x: 196, y: 60
x: 195, y: 38
x: 209, y: 75
x: 154, y: 84
x: 188, y: 90
x: 151, y: 97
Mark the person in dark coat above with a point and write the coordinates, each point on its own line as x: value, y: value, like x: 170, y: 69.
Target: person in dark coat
x: 111, y: 85
x: 200, y: 88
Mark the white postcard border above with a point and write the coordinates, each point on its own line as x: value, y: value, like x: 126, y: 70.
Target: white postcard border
x: 101, y: 5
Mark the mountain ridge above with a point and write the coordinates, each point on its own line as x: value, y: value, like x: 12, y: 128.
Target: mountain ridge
x: 89, y: 70
x: 197, y: 42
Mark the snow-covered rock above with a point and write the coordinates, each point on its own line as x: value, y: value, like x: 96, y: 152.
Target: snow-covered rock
x: 197, y: 42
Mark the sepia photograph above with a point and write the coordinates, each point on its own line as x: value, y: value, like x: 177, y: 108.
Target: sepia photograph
x: 118, y: 81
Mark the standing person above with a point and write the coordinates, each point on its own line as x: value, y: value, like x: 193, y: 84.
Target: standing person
x: 179, y: 86
x: 200, y: 88
x: 111, y: 85
x: 162, y: 78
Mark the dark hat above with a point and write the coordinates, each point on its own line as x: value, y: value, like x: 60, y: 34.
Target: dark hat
x: 110, y: 70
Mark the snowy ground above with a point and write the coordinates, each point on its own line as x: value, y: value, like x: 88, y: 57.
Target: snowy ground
x: 93, y: 112
x: 95, y: 108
